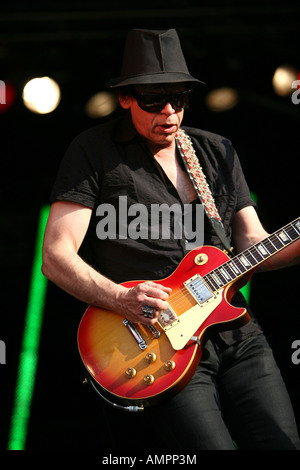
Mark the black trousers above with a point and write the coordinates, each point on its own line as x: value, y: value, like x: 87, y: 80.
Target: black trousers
x: 236, y: 398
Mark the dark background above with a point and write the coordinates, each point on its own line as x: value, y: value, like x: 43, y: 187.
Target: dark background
x: 80, y: 44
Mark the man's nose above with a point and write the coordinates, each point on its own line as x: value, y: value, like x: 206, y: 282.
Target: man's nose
x: 168, y: 109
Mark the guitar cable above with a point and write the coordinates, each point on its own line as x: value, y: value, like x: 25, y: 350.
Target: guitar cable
x: 130, y: 408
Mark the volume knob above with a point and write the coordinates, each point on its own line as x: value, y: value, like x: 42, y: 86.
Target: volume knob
x: 130, y: 372
x: 169, y: 365
x: 150, y: 357
x: 148, y: 379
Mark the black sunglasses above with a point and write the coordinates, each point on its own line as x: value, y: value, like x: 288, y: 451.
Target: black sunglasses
x: 154, y: 102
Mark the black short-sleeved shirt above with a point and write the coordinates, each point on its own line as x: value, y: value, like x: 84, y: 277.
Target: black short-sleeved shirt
x: 109, y: 168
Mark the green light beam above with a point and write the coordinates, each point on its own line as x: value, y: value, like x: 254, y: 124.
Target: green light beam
x: 247, y: 288
x: 30, y: 344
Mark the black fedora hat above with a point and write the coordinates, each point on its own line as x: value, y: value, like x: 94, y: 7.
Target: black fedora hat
x: 152, y: 57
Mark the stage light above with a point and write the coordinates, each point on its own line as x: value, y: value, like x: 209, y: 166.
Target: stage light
x: 222, y: 99
x: 101, y: 104
x: 282, y: 80
x: 41, y: 95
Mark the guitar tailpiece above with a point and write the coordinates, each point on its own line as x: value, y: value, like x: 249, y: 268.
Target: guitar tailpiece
x: 130, y: 408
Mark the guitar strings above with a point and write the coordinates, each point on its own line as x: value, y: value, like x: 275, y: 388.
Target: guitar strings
x: 179, y: 296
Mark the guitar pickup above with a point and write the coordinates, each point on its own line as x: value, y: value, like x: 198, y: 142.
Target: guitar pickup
x: 198, y: 289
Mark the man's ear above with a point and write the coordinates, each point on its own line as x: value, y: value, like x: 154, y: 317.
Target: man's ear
x: 125, y: 101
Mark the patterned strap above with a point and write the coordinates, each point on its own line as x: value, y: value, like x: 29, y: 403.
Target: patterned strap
x: 195, y: 172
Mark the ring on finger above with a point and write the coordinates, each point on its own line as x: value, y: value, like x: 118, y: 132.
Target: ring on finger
x: 148, y: 312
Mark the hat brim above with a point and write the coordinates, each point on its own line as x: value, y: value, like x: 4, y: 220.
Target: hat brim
x: 168, y: 77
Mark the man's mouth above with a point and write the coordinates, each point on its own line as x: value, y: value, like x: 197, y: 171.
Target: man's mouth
x: 167, y: 127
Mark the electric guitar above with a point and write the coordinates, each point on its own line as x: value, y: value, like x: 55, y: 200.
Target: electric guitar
x: 138, y: 365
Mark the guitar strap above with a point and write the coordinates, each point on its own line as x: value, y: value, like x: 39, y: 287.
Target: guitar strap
x: 195, y: 172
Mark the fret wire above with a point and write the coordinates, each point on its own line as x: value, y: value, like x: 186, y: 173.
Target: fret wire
x: 260, y: 244
x: 217, y: 279
x: 246, y: 253
x: 229, y: 271
x: 271, y: 247
x: 225, y: 273
x: 207, y: 281
x: 297, y: 226
x: 220, y: 276
x: 284, y: 241
x: 240, y: 265
x: 214, y: 284
x: 210, y: 282
x: 241, y: 257
x: 294, y: 233
x: 236, y: 267
x: 257, y: 252
x: 280, y: 239
x: 275, y: 240
x: 287, y: 234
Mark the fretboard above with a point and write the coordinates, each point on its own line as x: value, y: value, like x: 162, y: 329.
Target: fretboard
x: 253, y: 256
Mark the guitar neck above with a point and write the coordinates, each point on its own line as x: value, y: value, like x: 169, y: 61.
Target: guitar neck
x: 253, y: 256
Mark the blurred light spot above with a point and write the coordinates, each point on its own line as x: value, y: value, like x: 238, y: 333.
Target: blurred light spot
x: 101, y: 104
x: 222, y: 99
x: 283, y: 79
x: 41, y: 95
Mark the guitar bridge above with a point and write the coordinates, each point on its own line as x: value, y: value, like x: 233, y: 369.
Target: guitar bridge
x: 154, y: 331
x: 166, y: 317
x: 140, y: 341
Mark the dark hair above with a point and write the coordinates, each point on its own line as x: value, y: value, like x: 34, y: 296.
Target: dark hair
x: 125, y: 91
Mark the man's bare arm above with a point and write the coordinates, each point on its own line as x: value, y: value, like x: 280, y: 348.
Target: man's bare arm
x: 66, y: 228
x: 248, y: 230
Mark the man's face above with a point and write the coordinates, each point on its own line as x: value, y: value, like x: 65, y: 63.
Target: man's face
x: 159, y: 127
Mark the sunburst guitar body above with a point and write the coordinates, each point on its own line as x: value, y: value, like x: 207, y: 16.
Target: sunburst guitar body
x: 137, y: 365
